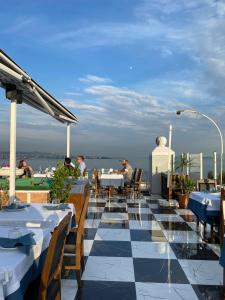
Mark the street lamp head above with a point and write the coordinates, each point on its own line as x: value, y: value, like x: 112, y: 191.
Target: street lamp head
x: 179, y: 112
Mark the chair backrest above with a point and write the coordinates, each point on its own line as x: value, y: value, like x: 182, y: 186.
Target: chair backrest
x: 78, y: 201
x: 133, y: 177
x: 139, y: 175
x: 80, y: 230
x: 51, y: 272
x: 206, y: 184
x: 222, y: 216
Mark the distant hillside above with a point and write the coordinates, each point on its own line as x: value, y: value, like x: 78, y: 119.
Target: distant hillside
x: 33, y: 155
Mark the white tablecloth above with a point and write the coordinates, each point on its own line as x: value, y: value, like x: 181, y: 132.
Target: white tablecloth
x: 38, y: 175
x: 111, y: 180
x: 35, y: 216
x: 15, y: 264
x: 212, y: 200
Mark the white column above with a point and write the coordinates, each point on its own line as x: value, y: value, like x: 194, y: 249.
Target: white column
x: 215, y: 165
x: 68, y: 141
x: 169, y: 156
x: 12, y: 178
x: 201, y: 165
x: 188, y: 164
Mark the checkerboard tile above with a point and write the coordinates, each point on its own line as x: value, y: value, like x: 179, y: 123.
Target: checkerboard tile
x: 104, y: 234
x: 140, y: 250
x: 107, y: 269
x: 165, y: 291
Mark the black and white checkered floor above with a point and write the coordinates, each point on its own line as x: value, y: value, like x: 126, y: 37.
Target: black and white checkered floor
x: 141, y: 251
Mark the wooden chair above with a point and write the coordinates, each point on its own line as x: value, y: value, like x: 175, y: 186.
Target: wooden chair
x: 76, y: 250
x: 78, y: 201
x: 49, y: 283
x: 51, y: 274
x: 137, y: 188
x: 222, y: 216
x: 134, y: 176
x: 222, y: 229
x: 98, y: 190
x: 206, y: 184
x: 129, y: 189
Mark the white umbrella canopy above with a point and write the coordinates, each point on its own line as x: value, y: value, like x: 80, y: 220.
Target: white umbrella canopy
x: 12, y: 77
x: 21, y: 88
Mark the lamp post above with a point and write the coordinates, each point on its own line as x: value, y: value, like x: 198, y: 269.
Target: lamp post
x: 179, y: 112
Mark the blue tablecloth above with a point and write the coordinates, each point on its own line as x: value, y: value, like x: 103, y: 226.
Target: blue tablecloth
x: 205, y: 206
x: 222, y: 255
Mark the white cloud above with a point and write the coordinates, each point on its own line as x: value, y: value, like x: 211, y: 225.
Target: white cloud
x: 194, y: 30
x: 95, y: 79
x: 72, y: 93
x: 127, y: 108
x: 70, y: 103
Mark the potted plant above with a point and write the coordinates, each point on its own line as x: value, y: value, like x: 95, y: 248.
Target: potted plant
x: 62, y: 183
x: 4, y: 193
x: 186, y: 186
x: 183, y: 163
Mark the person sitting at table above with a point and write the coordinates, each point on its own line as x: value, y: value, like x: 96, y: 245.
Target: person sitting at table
x: 81, y: 164
x: 68, y: 165
x: 127, y: 171
x: 28, y: 171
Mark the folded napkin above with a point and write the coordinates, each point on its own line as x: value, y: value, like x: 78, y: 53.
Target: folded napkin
x: 61, y: 206
x: 16, y: 206
x: 24, y: 243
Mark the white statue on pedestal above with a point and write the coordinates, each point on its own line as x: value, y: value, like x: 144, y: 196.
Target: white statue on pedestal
x: 159, y: 163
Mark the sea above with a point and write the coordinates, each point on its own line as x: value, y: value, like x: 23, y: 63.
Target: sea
x: 137, y: 162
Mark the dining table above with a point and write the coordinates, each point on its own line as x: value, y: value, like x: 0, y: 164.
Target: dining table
x: 116, y: 180
x: 110, y: 182
x: 206, y: 207
x: 19, y: 268
x: 35, y: 215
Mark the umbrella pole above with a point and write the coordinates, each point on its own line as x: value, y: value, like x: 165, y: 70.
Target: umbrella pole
x: 12, y: 178
x: 68, y: 140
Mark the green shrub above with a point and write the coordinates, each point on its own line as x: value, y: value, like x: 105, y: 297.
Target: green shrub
x: 62, y: 182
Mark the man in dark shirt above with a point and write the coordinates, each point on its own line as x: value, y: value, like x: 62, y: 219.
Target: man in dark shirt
x: 68, y: 165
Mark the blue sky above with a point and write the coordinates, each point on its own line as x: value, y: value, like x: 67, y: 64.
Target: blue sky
x: 123, y: 67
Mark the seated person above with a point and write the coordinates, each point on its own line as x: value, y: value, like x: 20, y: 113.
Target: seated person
x: 127, y: 171
x: 68, y: 165
x: 81, y: 165
x: 28, y: 171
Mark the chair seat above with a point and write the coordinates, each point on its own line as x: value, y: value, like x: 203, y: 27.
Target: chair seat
x: 69, y: 249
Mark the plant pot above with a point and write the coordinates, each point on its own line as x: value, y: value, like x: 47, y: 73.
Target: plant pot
x: 183, y: 200
x: 176, y: 194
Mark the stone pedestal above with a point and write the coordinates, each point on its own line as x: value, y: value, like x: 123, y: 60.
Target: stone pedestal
x: 159, y: 163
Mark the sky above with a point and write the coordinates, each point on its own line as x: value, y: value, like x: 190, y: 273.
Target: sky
x: 123, y: 67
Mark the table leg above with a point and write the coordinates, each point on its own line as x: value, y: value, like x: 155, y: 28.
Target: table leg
x: 5, y: 277
x: 224, y: 283
x: 204, y: 230
x: 197, y: 222
x: 212, y: 234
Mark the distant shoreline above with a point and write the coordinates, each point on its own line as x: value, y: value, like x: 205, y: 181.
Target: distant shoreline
x: 35, y: 155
